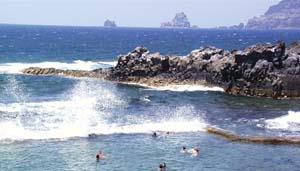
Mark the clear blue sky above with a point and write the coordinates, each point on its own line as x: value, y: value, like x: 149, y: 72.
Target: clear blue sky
x: 141, y: 13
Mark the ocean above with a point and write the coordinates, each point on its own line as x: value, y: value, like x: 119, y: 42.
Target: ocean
x: 58, y: 123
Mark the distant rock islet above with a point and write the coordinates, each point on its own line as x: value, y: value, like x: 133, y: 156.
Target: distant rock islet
x: 110, y: 23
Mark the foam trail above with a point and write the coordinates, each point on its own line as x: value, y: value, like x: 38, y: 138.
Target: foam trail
x: 289, y: 122
x: 112, y: 64
x: 173, y: 125
x: 80, y: 129
x: 16, y: 68
x: 180, y: 88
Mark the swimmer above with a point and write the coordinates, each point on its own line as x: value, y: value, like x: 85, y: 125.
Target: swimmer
x: 100, y: 156
x: 184, y: 150
x: 195, y: 152
x: 92, y: 135
x: 162, y: 167
x: 154, y: 135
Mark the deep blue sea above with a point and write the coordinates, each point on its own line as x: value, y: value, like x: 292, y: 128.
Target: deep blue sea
x: 45, y: 121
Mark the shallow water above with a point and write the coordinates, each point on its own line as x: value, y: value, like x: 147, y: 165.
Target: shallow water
x: 45, y: 121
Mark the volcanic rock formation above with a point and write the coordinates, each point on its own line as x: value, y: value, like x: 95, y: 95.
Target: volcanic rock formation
x: 180, y: 21
x: 110, y: 23
x: 285, y: 15
x: 264, y: 70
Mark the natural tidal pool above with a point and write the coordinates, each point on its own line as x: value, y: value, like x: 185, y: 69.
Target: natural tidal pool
x: 45, y: 121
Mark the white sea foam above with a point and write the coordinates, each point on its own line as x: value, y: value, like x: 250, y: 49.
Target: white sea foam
x: 175, y: 125
x: 84, y: 110
x: 16, y: 131
x: 180, y: 88
x: 58, y: 121
x: 16, y: 68
x: 289, y: 122
x: 113, y: 63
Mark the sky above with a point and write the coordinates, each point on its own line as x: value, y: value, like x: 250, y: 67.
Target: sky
x: 130, y: 13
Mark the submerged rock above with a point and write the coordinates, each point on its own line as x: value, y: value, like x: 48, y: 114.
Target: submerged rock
x: 253, y: 139
x: 265, y: 70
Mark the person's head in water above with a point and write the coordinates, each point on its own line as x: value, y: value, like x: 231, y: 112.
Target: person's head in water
x: 154, y: 134
x: 183, y: 148
x: 162, y: 167
x: 97, y: 157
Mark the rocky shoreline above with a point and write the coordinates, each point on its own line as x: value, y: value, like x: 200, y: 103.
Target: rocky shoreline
x: 263, y: 70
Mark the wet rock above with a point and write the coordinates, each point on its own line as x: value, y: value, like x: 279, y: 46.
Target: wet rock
x: 253, y: 139
x: 75, y: 73
x: 265, y: 70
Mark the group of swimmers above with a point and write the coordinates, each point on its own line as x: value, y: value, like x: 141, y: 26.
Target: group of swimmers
x: 162, y: 167
x: 193, y: 151
x: 154, y: 135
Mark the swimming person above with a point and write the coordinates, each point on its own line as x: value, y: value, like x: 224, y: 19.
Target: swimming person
x: 183, y: 150
x: 195, y: 152
x: 100, y: 156
x: 154, y: 135
x: 162, y: 167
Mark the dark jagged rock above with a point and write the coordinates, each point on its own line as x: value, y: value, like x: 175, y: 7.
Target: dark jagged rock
x: 110, y: 23
x: 180, y: 21
x: 264, y: 70
x: 284, y: 15
x: 261, y: 70
x: 253, y: 139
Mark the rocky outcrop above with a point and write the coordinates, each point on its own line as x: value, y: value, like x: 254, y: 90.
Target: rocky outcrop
x: 253, y: 139
x: 180, y: 21
x: 100, y: 73
x: 285, y: 15
x: 241, y: 26
x: 110, y: 23
x: 264, y: 70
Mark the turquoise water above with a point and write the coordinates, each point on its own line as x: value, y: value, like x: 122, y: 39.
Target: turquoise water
x: 45, y: 121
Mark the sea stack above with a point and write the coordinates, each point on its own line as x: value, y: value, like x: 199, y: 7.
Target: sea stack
x: 285, y: 15
x: 110, y: 23
x: 180, y: 21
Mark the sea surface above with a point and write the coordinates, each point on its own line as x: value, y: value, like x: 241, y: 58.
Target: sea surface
x: 58, y: 123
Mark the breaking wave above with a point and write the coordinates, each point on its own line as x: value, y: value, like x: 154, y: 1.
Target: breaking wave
x: 289, y: 122
x: 86, y: 109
